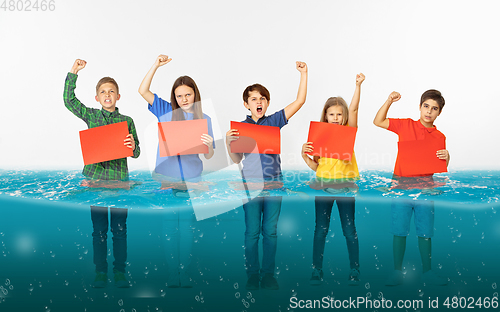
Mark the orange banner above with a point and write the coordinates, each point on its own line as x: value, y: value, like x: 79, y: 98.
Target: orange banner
x: 331, y: 140
x: 256, y: 139
x: 419, y: 157
x: 182, y: 137
x: 105, y: 143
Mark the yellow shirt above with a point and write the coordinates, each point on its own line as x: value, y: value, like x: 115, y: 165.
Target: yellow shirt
x: 331, y: 168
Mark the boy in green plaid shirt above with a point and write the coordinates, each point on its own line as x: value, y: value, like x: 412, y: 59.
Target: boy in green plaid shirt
x: 106, y: 94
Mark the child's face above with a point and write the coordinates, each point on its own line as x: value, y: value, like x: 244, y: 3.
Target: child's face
x: 107, y: 96
x: 429, y: 110
x: 334, y: 115
x: 257, y: 104
x: 185, y: 98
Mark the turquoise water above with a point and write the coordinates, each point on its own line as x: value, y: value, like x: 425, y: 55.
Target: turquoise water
x: 46, y: 244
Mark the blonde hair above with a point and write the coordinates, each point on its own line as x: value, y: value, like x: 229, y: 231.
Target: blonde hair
x: 336, y: 101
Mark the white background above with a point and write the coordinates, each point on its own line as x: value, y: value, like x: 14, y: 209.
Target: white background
x: 404, y: 46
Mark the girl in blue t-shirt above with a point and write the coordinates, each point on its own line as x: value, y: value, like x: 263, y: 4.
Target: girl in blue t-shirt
x: 185, y: 104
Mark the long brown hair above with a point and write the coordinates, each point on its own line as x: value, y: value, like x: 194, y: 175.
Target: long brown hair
x: 334, y: 101
x: 177, y: 112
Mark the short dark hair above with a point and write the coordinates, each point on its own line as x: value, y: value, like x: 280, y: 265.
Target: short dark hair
x: 106, y: 80
x: 256, y: 87
x: 433, y: 95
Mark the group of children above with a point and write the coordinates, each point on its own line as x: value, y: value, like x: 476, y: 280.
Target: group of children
x: 261, y: 213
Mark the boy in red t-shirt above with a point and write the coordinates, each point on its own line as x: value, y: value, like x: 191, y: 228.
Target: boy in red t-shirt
x: 431, y: 105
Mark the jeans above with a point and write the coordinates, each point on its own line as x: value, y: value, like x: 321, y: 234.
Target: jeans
x: 324, y: 207
x: 403, y: 209
x: 261, y: 215
x: 178, y: 230
x: 99, y: 216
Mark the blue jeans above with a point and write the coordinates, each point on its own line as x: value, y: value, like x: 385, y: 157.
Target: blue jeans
x: 99, y: 216
x: 324, y: 207
x: 178, y: 230
x: 261, y: 215
x: 401, y: 212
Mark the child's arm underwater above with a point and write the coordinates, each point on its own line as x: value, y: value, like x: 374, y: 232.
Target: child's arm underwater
x: 146, y: 82
x: 353, y: 107
x: 312, y: 163
x: 292, y: 108
x: 381, y: 119
x: 232, y: 135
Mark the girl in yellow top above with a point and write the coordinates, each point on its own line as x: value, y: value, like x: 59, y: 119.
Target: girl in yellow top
x: 335, y: 111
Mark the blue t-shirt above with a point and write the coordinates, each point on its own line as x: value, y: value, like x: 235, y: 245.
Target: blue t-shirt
x: 182, y: 166
x: 267, y: 166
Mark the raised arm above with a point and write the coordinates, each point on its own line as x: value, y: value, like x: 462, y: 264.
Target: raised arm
x: 146, y: 82
x: 381, y: 119
x: 292, y: 108
x: 77, y: 66
x: 353, y: 107
x: 70, y: 100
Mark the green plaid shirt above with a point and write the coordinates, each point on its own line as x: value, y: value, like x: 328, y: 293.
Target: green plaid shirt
x: 106, y: 170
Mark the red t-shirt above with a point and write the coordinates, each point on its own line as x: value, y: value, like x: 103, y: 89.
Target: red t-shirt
x: 410, y: 130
